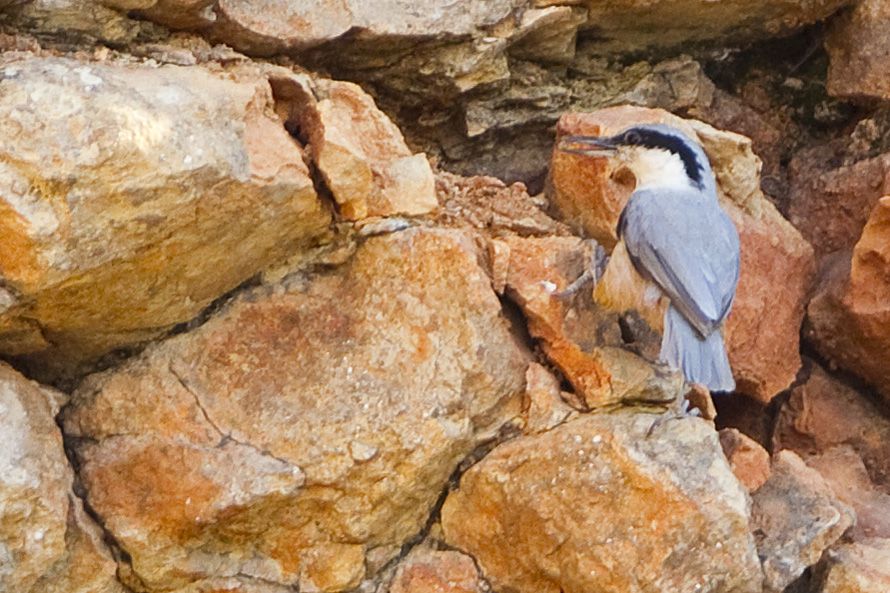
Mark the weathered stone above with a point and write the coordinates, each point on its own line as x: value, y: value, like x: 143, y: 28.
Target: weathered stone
x: 428, y: 571
x: 795, y: 518
x: 830, y: 204
x: 307, y: 425
x: 489, y: 205
x: 858, y: 44
x: 845, y: 472
x: 548, y: 34
x: 277, y: 26
x: 748, y: 460
x: 861, y: 567
x: 71, y: 21
x: 544, y: 407
x: 849, y: 318
x: 629, y: 25
x: 823, y: 413
x: 119, y: 223
x: 47, y: 542
x: 762, y: 332
x: 360, y: 153
x: 577, y: 336
x: 595, y: 505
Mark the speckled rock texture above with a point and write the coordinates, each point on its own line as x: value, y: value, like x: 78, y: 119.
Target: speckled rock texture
x: 297, y: 296
x: 291, y: 446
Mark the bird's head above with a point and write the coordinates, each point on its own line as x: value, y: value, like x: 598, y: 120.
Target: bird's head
x: 657, y: 155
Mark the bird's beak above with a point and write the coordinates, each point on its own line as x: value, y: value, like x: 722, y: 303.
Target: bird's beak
x: 587, y: 146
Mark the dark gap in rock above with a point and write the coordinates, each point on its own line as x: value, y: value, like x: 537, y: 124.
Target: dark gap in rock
x: 118, y: 553
x: 805, y: 583
x: 506, y: 433
x: 215, y: 306
x: 518, y: 323
x: 627, y: 333
x: 749, y: 416
x: 792, y: 71
x: 287, y: 108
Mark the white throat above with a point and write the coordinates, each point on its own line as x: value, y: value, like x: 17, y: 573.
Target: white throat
x: 658, y: 168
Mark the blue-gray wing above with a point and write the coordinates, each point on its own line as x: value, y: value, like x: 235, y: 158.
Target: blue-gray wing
x: 685, y: 243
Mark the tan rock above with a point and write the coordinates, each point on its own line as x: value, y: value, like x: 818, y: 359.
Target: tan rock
x: 548, y: 34
x: 490, y: 205
x: 360, y: 153
x: 119, y: 223
x: 858, y: 43
x: 429, y: 571
x: 278, y: 26
x: 795, y: 518
x: 849, y: 318
x: 47, y: 542
x: 823, y: 413
x: 71, y: 21
x: 544, y: 407
x: 579, y: 338
x: 762, y: 332
x: 845, y: 472
x: 831, y: 204
x: 628, y: 25
x: 595, y: 505
x: 861, y: 567
x: 748, y: 460
x: 307, y: 425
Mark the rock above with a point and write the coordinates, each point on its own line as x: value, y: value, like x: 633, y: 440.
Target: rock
x: 849, y: 318
x: 118, y: 224
x: 47, y: 542
x: 823, y: 413
x: 762, y: 332
x: 429, y: 571
x: 845, y: 472
x: 548, y: 34
x: 576, y: 336
x: 861, y: 567
x: 795, y: 518
x: 628, y: 25
x: 279, y: 441
x: 360, y: 153
x: 490, y: 205
x: 544, y: 407
x: 595, y: 505
x: 748, y: 460
x: 69, y: 22
x: 857, y: 45
x: 830, y: 204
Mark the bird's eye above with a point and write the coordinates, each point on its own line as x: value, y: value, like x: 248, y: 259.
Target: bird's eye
x: 632, y: 138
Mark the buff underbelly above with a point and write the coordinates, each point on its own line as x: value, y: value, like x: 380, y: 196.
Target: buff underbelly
x: 623, y: 289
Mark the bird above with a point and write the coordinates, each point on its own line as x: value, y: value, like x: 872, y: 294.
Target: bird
x: 677, y: 259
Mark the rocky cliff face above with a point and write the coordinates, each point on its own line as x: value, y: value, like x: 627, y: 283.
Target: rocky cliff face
x: 279, y: 310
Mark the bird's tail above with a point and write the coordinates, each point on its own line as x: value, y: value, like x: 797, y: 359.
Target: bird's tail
x: 702, y: 361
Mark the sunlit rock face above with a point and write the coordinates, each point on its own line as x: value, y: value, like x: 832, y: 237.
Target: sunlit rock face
x: 48, y: 544
x: 309, y: 428
x: 297, y: 266
x: 132, y: 195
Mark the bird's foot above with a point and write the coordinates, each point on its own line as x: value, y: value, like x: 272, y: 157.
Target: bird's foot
x: 592, y: 273
x: 685, y: 409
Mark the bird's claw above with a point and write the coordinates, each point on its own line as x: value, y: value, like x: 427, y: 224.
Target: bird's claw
x: 592, y: 273
x: 684, y: 411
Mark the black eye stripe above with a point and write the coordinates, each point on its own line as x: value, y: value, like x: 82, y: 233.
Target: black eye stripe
x: 650, y: 138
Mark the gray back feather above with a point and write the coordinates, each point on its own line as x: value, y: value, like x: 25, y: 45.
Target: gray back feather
x: 683, y: 241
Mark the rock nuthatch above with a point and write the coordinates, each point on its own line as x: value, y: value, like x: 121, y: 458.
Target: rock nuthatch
x: 677, y: 259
